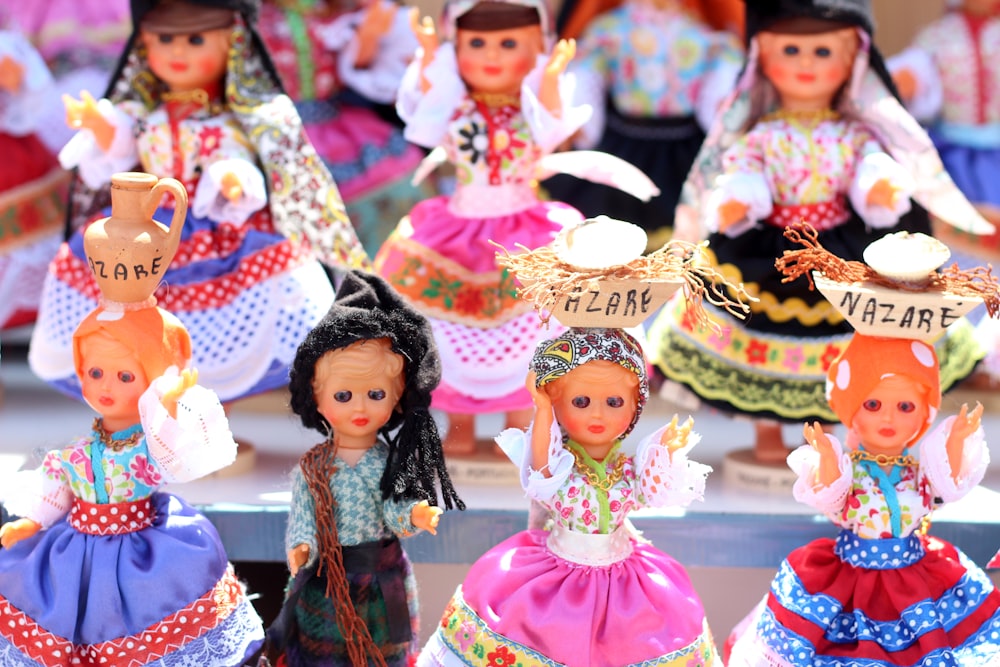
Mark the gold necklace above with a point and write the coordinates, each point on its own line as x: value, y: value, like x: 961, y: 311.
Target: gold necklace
x: 803, y: 118
x: 883, y: 459
x: 612, y: 478
x: 198, y: 96
x: 498, y: 100
x: 111, y: 443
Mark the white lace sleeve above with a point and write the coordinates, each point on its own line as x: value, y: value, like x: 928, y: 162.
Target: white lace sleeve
x: 873, y: 167
x: 547, y: 130
x: 427, y: 114
x: 379, y: 81
x: 804, y: 461
x: 746, y: 187
x: 665, y: 480
x: 516, y: 444
x: 96, y: 165
x: 928, y: 98
x: 19, y: 110
x: 42, y: 495
x: 198, y: 442
x: 208, y: 201
x: 936, y: 467
x: 590, y: 91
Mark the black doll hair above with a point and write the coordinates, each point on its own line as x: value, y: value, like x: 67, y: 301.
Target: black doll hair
x: 488, y: 15
x: 367, y: 308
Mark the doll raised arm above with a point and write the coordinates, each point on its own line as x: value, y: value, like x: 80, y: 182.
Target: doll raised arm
x: 83, y: 114
x: 541, y: 426
x: 828, y: 469
x: 676, y: 437
x: 426, y: 34
x: 548, y: 92
x: 965, y: 424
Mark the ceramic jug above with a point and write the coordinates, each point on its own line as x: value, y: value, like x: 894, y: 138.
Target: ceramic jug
x: 128, y: 251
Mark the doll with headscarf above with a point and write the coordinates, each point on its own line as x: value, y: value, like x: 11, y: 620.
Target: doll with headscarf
x: 103, y: 566
x: 587, y: 592
x: 496, y: 102
x: 195, y: 97
x: 882, y: 591
x: 812, y: 133
x: 342, y: 62
x: 363, y: 378
x: 32, y: 184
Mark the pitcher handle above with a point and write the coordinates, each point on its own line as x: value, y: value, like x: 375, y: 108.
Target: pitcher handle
x: 176, y: 189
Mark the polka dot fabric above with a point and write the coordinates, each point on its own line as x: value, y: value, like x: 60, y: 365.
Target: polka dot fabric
x: 111, y: 519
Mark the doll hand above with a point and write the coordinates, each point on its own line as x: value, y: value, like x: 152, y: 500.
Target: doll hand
x: 376, y: 23
x: 187, y: 379
x: 84, y: 115
x: 297, y: 557
x: 828, y: 469
x: 731, y: 212
x: 965, y: 424
x: 882, y: 193
x: 230, y: 186
x: 13, y: 532
x: 561, y: 56
x: 11, y: 74
x: 906, y: 83
x: 423, y: 30
x: 674, y: 437
x: 426, y: 516
x: 540, y: 397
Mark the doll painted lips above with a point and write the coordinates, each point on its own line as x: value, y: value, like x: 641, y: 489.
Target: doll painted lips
x: 887, y: 432
x: 806, y: 77
x: 595, y: 428
x: 106, y: 400
x: 360, y: 421
x: 179, y: 67
x: 493, y: 69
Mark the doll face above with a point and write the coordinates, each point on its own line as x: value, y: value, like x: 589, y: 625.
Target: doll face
x: 808, y: 70
x: 112, y: 381
x: 496, y: 61
x: 891, y: 416
x: 188, y: 61
x: 595, y: 403
x: 357, y: 390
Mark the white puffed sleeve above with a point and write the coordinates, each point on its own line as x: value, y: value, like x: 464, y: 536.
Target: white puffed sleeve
x: 873, y: 167
x: 209, y: 202
x: 590, y: 91
x: 747, y: 187
x: 665, y: 480
x: 198, y: 442
x: 42, y: 495
x: 928, y: 98
x: 427, y: 114
x: 97, y: 165
x: 548, y: 130
x: 829, y: 500
x: 936, y: 467
x: 516, y: 444
x: 19, y: 110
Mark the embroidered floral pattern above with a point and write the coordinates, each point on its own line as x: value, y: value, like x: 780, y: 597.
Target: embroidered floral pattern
x: 866, y: 513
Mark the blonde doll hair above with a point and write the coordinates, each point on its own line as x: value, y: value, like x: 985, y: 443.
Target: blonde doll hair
x: 363, y: 358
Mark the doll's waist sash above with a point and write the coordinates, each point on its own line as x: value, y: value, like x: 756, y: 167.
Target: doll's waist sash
x: 492, y: 201
x: 888, y: 553
x: 590, y: 548
x: 821, y: 215
x: 384, y: 562
x: 111, y: 518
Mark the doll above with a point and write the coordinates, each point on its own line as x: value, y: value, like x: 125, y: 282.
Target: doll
x: 363, y: 378
x: 882, y: 591
x: 101, y: 560
x: 812, y: 133
x: 32, y: 185
x: 342, y: 62
x: 654, y: 72
x: 195, y: 97
x: 588, y: 592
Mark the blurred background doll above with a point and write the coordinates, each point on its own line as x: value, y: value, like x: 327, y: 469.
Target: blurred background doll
x: 101, y: 560
x: 195, y: 97
x: 363, y: 378
x: 342, y: 62
x: 80, y: 41
x: 812, y: 133
x: 588, y: 592
x: 33, y: 187
x: 654, y: 72
x: 883, y: 588
x: 496, y: 100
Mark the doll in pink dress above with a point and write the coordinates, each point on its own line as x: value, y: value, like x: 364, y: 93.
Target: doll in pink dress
x: 812, y: 133
x: 496, y: 103
x: 195, y: 97
x: 342, y: 62
x: 587, y: 592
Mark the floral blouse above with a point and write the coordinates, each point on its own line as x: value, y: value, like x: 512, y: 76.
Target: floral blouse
x: 165, y: 450
x: 650, y: 478
x: 788, y: 160
x: 856, y: 502
x: 361, y: 514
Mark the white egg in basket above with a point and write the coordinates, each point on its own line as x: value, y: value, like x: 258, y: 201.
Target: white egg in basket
x: 601, y: 242
x: 905, y: 256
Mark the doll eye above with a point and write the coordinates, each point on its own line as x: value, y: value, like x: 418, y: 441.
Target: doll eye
x: 342, y: 396
x: 615, y: 401
x: 791, y: 50
x: 126, y: 376
x: 196, y: 39
x: 477, y: 42
x: 165, y: 39
x: 95, y: 373
x: 376, y: 394
x: 907, y: 406
x: 872, y: 405
x: 580, y: 401
x: 509, y: 43
x: 823, y: 51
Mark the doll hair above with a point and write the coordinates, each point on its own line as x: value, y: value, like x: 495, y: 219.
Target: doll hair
x: 489, y: 15
x: 371, y: 358
x: 179, y: 17
x: 156, y: 338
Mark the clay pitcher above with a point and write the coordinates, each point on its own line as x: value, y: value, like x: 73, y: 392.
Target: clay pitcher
x: 128, y: 251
